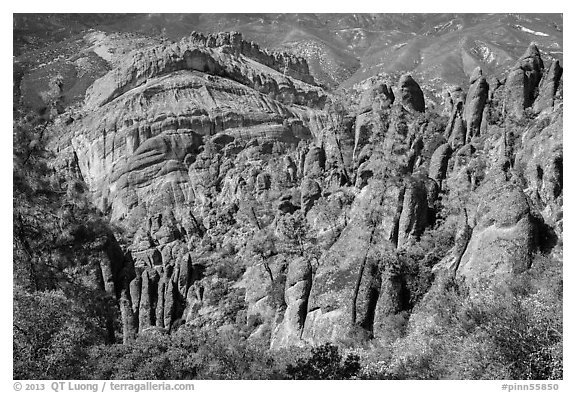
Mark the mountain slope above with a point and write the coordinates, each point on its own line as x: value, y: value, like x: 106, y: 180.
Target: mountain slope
x: 248, y: 200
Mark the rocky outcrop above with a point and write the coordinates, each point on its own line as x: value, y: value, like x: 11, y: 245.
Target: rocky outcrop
x: 148, y: 299
x: 379, y: 96
x: 158, y: 287
x: 522, y: 82
x: 475, y: 102
x: 391, y: 292
x: 503, y: 237
x: 214, y: 130
x: 348, y: 283
x: 111, y: 264
x: 451, y: 262
x: 456, y: 129
x: 291, y: 169
x: 373, y: 102
x: 548, y: 87
x: 315, y: 161
x: 158, y: 294
x: 113, y: 272
x: 188, y: 55
x: 263, y: 181
x: 332, y: 310
x: 296, y: 293
x: 410, y: 93
x: 362, y: 131
x: 285, y: 205
x: 310, y: 193
x: 541, y: 158
x: 439, y: 163
x: 367, y: 295
x: 145, y: 122
x: 414, y: 216
x: 287, y: 63
x: 452, y: 97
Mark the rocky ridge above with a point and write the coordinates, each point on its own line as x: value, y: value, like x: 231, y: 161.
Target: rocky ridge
x: 206, y: 144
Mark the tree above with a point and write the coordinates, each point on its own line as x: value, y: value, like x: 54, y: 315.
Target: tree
x: 59, y: 239
x: 52, y: 334
x: 294, y: 230
x: 263, y: 247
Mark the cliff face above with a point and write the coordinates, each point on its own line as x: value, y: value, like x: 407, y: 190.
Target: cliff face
x: 144, y: 123
x: 245, y: 187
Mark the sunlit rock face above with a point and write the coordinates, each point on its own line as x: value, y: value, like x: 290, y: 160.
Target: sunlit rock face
x: 205, y: 144
x: 146, y: 120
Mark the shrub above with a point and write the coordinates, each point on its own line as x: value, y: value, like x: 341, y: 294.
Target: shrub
x: 52, y: 334
x: 481, y: 332
x: 325, y: 363
x: 276, y: 291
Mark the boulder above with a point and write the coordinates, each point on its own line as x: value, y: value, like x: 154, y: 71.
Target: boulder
x: 503, y: 240
x: 142, y: 240
x: 263, y: 181
x: 167, y: 233
x: 315, y: 161
x: 285, y: 205
x: 411, y: 96
x: 310, y: 192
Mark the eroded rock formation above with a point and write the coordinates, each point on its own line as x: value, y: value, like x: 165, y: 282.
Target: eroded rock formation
x: 203, y: 146
x: 411, y: 95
